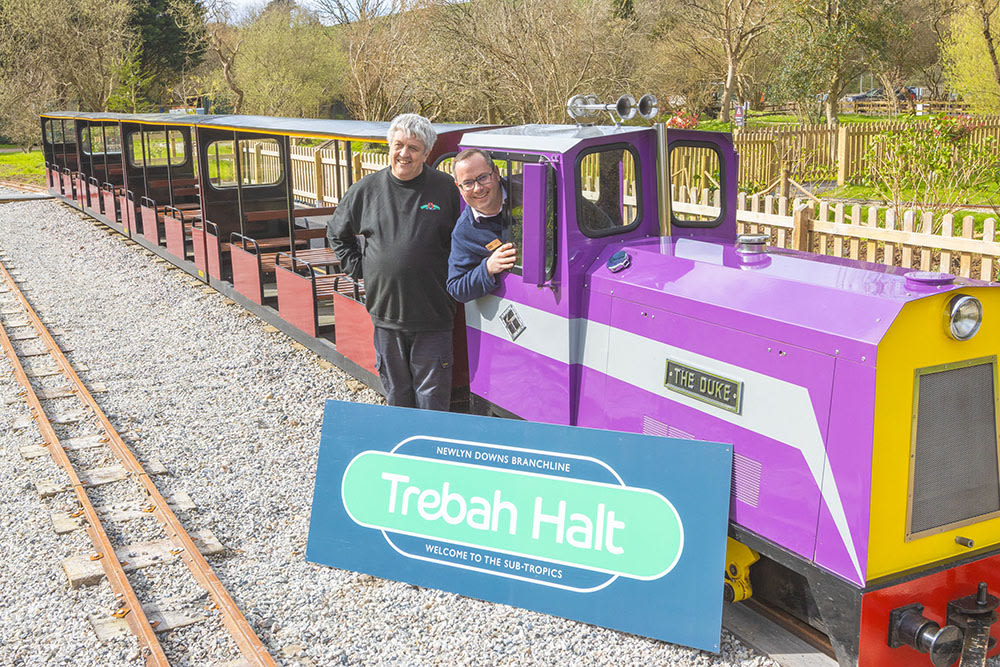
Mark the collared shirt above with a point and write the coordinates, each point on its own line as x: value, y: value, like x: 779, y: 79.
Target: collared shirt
x: 479, y: 216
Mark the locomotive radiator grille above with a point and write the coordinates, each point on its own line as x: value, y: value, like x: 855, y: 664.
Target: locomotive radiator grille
x: 954, y: 469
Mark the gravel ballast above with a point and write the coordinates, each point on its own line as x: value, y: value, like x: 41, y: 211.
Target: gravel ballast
x: 233, y: 412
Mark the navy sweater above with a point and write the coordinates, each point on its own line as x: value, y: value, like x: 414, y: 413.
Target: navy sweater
x: 468, y: 278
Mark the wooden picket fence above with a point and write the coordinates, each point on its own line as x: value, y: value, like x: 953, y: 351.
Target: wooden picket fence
x: 813, y: 153
x: 868, y: 233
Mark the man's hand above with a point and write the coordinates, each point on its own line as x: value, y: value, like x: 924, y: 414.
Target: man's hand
x: 502, y: 259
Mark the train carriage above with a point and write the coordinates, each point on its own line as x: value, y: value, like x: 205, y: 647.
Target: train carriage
x: 861, y: 400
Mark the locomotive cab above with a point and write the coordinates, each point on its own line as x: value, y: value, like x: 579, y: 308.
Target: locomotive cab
x: 865, y: 434
x: 574, y: 192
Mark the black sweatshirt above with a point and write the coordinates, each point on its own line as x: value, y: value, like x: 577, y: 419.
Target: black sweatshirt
x: 406, y: 227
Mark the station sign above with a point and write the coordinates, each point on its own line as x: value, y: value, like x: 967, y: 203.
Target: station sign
x: 621, y: 530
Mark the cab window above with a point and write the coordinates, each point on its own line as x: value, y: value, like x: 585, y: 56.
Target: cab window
x: 609, y: 190
x: 696, y: 185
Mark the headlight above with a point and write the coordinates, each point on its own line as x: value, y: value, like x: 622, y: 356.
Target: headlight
x: 964, y: 315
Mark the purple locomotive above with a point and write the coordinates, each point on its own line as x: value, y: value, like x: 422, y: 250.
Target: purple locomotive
x: 861, y: 399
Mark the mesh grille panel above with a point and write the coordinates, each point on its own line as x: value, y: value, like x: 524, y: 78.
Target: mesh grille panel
x: 955, y: 455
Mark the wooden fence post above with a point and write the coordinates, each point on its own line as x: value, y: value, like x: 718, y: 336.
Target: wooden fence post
x: 843, y: 139
x: 258, y: 162
x: 357, y: 167
x: 802, y: 227
x: 318, y: 171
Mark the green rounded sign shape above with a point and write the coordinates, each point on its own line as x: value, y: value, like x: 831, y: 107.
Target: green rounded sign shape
x: 620, y: 530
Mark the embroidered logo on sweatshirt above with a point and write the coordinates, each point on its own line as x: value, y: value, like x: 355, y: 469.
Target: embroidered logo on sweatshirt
x: 430, y: 206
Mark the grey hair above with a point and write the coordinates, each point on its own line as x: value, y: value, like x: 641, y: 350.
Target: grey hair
x: 414, y: 125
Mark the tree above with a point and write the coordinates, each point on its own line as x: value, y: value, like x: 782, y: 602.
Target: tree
x: 133, y: 82
x: 827, y: 44
x: 223, y: 40
x: 970, y: 55
x: 72, y: 47
x: 519, y: 61
x: 169, y: 46
x: 289, y: 65
x: 379, y: 39
x: 941, y: 163
x: 735, y: 25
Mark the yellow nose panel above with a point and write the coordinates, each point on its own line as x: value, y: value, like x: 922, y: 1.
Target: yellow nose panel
x: 916, y: 344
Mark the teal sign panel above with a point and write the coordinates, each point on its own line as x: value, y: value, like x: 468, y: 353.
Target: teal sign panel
x: 616, y: 529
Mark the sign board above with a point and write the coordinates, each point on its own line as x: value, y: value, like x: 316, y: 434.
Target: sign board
x: 739, y: 119
x: 621, y: 530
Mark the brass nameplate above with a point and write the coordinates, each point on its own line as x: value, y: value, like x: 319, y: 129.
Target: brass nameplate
x: 707, y: 387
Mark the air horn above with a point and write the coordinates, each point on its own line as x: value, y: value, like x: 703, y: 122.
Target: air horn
x: 589, y: 107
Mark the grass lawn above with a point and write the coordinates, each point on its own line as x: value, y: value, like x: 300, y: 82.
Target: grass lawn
x: 25, y: 167
x: 762, y: 119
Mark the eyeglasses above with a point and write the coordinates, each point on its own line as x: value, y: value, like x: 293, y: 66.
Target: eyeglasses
x: 482, y: 180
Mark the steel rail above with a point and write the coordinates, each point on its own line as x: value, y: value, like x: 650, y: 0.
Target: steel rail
x: 28, y: 187
x: 792, y: 625
x: 134, y: 616
x: 246, y: 639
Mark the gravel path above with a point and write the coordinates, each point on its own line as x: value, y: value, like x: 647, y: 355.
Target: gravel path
x: 234, y: 413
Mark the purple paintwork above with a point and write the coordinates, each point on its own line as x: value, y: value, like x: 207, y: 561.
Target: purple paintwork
x: 800, y: 325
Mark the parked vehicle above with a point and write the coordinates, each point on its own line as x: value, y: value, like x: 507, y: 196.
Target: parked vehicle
x: 904, y: 93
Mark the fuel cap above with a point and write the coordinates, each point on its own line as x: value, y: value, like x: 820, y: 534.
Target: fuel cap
x: 618, y: 261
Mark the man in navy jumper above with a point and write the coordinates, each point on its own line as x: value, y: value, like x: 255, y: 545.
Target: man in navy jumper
x: 405, y: 214
x: 480, y: 247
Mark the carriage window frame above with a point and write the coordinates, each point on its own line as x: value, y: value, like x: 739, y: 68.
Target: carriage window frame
x: 104, y: 132
x: 581, y: 201
x: 700, y: 224
x: 129, y: 148
x: 236, y: 156
x: 50, y: 132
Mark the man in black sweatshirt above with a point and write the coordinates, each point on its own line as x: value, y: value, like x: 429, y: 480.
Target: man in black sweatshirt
x: 406, y: 214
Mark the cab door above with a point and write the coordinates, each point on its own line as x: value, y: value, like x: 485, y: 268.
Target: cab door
x: 529, y: 340
x: 518, y: 336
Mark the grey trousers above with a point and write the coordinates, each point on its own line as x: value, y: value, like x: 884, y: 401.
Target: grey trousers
x: 415, y: 367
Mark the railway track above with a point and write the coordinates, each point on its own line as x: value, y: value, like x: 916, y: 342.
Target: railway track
x: 100, y: 463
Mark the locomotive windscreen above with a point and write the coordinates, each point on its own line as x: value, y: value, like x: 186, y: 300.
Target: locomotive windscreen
x: 955, y: 472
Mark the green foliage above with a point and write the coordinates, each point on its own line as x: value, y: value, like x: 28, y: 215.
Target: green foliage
x: 167, y: 46
x: 129, y: 95
x: 942, y: 163
x: 287, y: 64
x: 826, y: 44
x: 967, y: 62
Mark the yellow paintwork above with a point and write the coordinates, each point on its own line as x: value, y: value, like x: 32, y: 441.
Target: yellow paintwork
x: 918, y: 339
x: 739, y: 558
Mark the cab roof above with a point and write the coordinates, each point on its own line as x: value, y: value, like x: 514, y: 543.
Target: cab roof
x: 547, y: 138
